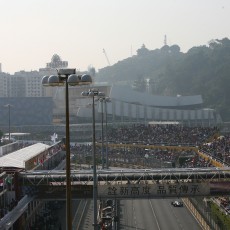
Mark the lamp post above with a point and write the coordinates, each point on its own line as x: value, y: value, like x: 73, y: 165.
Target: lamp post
x: 105, y: 100
x: 66, y: 77
x: 102, y: 132
x: 9, y: 106
x: 94, y: 93
x: 224, y: 152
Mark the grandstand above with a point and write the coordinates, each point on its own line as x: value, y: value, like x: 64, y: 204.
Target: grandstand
x: 128, y: 105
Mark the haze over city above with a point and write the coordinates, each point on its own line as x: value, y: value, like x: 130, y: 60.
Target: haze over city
x: 78, y: 31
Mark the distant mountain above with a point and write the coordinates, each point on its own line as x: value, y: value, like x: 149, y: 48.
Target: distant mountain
x: 202, y: 70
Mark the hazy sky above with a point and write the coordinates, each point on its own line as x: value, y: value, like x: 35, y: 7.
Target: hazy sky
x: 78, y: 30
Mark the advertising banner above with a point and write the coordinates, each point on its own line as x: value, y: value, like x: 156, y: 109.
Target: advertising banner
x: 164, y: 190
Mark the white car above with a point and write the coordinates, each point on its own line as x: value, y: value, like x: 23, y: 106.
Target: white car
x: 177, y: 203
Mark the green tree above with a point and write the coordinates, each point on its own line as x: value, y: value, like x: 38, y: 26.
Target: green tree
x: 140, y: 85
x: 142, y: 51
x: 203, y: 70
x: 174, y: 49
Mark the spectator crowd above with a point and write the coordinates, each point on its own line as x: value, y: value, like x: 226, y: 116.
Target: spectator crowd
x: 161, y: 134
x: 205, y: 138
x: 219, y: 148
x: 127, y: 139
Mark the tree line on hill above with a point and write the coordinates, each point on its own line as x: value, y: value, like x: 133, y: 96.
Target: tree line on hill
x: 203, y: 70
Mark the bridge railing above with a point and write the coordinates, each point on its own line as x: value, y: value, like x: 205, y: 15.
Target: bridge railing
x: 130, y: 183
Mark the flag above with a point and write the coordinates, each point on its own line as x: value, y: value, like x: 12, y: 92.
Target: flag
x: 41, y: 162
x: 1, y: 182
x: 9, y: 180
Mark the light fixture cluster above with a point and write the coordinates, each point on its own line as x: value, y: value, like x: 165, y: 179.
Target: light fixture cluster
x: 93, y: 93
x: 68, y: 76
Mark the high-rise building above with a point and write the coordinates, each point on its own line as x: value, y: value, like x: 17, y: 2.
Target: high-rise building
x: 17, y: 87
x: 4, y: 84
x: 56, y: 62
x: 28, y: 83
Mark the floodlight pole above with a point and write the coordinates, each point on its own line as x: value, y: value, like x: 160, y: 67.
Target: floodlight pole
x: 9, y: 121
x: 102, y: 134
x: 106, y: 139
x: 94, y: 172
x: 68, y: 178
x: 67, y: 77
x: 94, y: 93
x: 9, y: 105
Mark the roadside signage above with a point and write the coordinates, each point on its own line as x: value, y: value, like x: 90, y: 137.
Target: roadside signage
x: 164, y: 190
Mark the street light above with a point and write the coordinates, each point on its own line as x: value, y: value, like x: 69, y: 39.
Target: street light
x: 104, y: 100
x: 102, y: 133
x: 94, y: 93
x: 9, y: 106
x: 67, y: 77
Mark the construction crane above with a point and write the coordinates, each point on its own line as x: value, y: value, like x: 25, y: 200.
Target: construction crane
x: 106, y: 57
x: 165, y: 40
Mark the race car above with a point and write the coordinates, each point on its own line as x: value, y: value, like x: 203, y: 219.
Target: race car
x: 177, y: 203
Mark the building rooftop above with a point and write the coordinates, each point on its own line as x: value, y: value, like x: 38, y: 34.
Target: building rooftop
x: 18, y: 158
x: 126, y: 94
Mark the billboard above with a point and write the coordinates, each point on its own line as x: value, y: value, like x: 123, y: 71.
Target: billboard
x: 164, y: 190
x: 130, y: 191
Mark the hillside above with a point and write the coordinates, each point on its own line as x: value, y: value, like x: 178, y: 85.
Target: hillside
x: 202, y: 70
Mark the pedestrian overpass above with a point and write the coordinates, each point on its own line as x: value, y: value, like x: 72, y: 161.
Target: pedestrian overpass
x: 127, y: 183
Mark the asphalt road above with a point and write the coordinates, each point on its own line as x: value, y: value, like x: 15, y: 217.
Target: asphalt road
x: 155, y: 214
